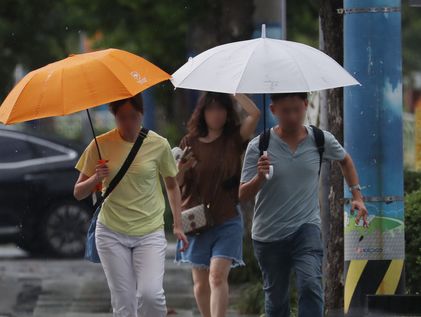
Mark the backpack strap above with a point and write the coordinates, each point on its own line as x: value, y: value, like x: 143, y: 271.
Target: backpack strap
x: 264, y: 139
x: 319, y: 137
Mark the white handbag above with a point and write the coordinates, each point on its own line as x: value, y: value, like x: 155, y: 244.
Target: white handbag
x: 196, y: 219
x: 199, y: 218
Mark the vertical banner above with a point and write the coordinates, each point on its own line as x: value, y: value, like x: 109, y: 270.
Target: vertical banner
x: 374, y: 256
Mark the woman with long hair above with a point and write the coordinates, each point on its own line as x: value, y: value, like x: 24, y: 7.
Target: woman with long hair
x: 211, y: 173
x: 130, y: 235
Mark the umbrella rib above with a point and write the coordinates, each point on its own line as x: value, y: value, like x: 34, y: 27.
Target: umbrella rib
x: 244, y: 70
x: 120, y: 61
x: 299, y: 68
x: 117, y: 58
x: 113, y: 74
x: 19, y: 96
x: 82, y: 69
x: 62, y: 94
x: 205, y: 60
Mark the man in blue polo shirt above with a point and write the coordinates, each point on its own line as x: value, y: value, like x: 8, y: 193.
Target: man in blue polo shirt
x: 286, y: 224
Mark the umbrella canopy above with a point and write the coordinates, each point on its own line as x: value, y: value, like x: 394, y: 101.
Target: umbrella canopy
x: 77, y: 83
x: 264, y: 66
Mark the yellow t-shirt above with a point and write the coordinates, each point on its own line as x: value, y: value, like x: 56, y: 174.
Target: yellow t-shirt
x: 136, y: 205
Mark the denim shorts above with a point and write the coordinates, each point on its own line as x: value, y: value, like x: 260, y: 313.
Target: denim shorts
x: 221, y: 241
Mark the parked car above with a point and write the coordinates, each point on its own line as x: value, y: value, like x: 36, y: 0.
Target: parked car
x: 37, y: 208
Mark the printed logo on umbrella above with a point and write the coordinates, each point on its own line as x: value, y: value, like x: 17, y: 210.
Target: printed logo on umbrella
x: 271, y: 83
x: 141, y: 80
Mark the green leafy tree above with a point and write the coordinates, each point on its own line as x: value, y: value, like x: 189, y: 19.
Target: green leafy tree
x: 411, y: 38
x: 32, y: 34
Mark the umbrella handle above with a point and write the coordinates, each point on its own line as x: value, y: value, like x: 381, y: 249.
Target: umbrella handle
x: 98, y: 186
x: 270, y: 174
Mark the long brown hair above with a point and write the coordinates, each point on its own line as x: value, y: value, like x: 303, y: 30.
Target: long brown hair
x: 197, y: 126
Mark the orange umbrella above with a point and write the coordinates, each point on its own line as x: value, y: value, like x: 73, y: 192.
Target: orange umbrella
x: 77, y: 83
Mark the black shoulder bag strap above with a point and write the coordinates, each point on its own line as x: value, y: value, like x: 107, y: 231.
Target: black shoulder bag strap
x: 319, y: 137
x: 123, y: 169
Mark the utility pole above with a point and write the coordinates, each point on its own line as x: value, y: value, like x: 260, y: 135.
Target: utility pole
x: 331, y: 190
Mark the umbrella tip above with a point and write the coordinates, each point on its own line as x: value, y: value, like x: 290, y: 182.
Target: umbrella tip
x: 263, y: 30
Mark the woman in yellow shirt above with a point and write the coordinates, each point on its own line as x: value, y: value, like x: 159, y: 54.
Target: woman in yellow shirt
x: 130, y: 235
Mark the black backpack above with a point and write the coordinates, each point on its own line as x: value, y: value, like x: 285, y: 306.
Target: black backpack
x: 319, y: 137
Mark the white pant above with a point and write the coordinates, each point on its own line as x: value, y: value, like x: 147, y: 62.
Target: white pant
x: 134, y: 268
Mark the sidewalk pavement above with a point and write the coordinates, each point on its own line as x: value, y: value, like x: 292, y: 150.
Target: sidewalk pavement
x: 77, y: 288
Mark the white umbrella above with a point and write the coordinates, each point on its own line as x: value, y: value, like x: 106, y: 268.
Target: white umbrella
x: 262, y: 66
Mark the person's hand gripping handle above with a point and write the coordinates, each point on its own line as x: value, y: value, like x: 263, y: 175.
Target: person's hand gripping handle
x: 268, y: 175
x: 101, y: 171
x: 264, y: 168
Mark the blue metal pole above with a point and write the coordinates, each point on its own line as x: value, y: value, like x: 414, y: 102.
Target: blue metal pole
x: 374, y: 256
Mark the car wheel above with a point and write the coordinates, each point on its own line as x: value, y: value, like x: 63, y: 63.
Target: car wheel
x: 64, y: 229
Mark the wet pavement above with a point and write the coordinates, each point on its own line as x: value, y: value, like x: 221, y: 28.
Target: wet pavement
x: 31, y: 287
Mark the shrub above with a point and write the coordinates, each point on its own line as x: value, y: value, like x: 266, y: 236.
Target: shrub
x: 413, y: 241
x: 412, y: 181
